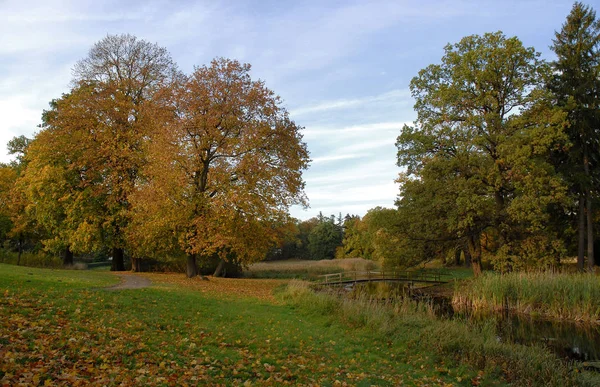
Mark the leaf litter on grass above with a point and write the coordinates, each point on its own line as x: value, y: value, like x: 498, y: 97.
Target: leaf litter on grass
x: 217, y: 332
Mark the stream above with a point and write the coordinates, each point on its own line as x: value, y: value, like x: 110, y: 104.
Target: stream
x: 569, y: 340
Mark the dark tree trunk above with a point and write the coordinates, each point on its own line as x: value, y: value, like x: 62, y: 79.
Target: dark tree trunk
x: 219, y: 271
x: 590, y: 233
x: 467, y: 257
x: 191, y: 268
x: 581, y: 233
x: 118, y: 259
x: 475, y: 251
x: 20, y: 249
x: 588, y: 212
x: 136, y: 264
x: 68, y: 257
x: 457, y: 254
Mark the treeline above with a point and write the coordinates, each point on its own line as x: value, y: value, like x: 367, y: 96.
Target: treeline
x: 139, y: 160
x: 375, y: 236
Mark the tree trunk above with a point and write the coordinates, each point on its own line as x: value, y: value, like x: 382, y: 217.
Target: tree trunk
x: 136, y: 264
x: 590, y: 233
x: 588, y: 212
x: 457, y: 254
x: 118, y: 259
x: 20, y: 249
x: 475, y: 250
x: 219, y: 271
x: 468, y: 259
x: 581, y: 231
x: 191, y: 268
x: 68, y: 257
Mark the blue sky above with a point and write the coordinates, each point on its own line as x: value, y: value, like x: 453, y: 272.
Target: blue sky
x: 342, y: 67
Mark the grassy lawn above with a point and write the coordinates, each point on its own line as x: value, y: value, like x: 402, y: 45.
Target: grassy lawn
x: 62, y: 328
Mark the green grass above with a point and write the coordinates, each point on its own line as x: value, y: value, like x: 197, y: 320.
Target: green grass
x: 62, y: 328
x: 563, y: 296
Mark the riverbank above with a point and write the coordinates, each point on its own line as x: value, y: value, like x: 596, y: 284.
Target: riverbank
x: 459, y: 343
x: 573, y: 297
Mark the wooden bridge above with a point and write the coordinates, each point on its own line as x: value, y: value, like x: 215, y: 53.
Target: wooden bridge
x: 410, y: 277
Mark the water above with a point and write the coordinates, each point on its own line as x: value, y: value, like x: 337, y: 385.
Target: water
x: 568, y: 340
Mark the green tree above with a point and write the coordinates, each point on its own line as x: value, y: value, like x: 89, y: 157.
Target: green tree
x: 324, y: 239
x: 576, y: 86
x: 479, y: 152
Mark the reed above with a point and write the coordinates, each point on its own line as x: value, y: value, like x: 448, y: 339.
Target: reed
x: 556, y: 295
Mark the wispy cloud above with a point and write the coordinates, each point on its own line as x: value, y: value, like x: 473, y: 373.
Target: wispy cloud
x: 368, y: 130
x: 342, y: 104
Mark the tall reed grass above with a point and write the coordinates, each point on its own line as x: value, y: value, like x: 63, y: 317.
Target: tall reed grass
x: 460, y: 341
x: 563, y: 296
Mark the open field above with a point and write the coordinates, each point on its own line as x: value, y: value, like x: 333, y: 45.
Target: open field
x: 64, y: 328
x: 306, y: 269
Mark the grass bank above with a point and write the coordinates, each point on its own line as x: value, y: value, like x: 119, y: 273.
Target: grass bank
x: 62, y: 328
x: 459, y: 343
x: 562, y: 296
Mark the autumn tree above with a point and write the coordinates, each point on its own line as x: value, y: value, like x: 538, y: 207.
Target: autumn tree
x: 8, y: 176
x: 353, y: 242
x: 479, y: 150
x: 223, y: 169
x: 22, y: 226
x: 576, y: 86
x: 90, y: 150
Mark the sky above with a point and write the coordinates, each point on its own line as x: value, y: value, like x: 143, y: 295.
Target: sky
x: 342, y: 68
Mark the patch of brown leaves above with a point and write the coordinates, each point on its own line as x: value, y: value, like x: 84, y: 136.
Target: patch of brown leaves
x: 261, y: 289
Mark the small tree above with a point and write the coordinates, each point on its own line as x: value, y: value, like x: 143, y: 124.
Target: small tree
x: 324, y: 239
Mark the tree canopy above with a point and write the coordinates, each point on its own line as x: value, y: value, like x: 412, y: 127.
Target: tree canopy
x: 223, y: 167
x: 476, y: 158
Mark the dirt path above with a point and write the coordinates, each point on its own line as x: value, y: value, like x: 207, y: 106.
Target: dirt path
x: 131, y: 281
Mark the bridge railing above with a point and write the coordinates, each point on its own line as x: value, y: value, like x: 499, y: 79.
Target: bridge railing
x: 407, y: 275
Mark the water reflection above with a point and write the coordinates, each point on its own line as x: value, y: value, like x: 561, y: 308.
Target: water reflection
x: 567, y: 339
